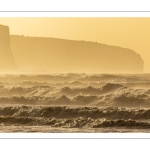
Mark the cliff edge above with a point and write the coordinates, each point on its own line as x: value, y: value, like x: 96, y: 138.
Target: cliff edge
x: 7, y: 62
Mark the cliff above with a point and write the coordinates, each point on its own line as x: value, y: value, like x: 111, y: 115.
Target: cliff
x: 7, y: 62
x: 59, y: 55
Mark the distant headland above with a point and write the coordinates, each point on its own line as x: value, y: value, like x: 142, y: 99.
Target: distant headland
x: 60, y: 55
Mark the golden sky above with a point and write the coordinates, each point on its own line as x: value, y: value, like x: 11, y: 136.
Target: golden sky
x: 133, y: 33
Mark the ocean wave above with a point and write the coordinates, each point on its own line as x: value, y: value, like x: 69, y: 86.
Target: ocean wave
x: 81, y: 77
x: 75, y: 90
x: 61, y: 112
x: 73, y: 123
x: 49, y: 91
x: 118, y: 100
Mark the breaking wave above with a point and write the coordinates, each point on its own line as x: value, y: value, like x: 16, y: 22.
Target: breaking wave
x: 74, y: 112
x: 73, y: 123
x: 80, y: 117
x: 106, y: 100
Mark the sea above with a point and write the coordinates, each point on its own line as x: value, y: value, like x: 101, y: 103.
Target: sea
x: 75, y: 103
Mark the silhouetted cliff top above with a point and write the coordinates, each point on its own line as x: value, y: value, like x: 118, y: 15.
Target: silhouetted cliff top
x: 71, y: 40
x: 4, y: 26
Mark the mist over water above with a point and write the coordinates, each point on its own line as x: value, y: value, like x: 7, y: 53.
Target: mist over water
x: 75, y: 102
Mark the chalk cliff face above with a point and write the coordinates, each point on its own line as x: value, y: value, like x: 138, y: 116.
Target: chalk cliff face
x: 7, y: 62
x: 58, y: 55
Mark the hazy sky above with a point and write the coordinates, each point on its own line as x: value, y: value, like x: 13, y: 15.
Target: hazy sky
x: 133, y: 33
